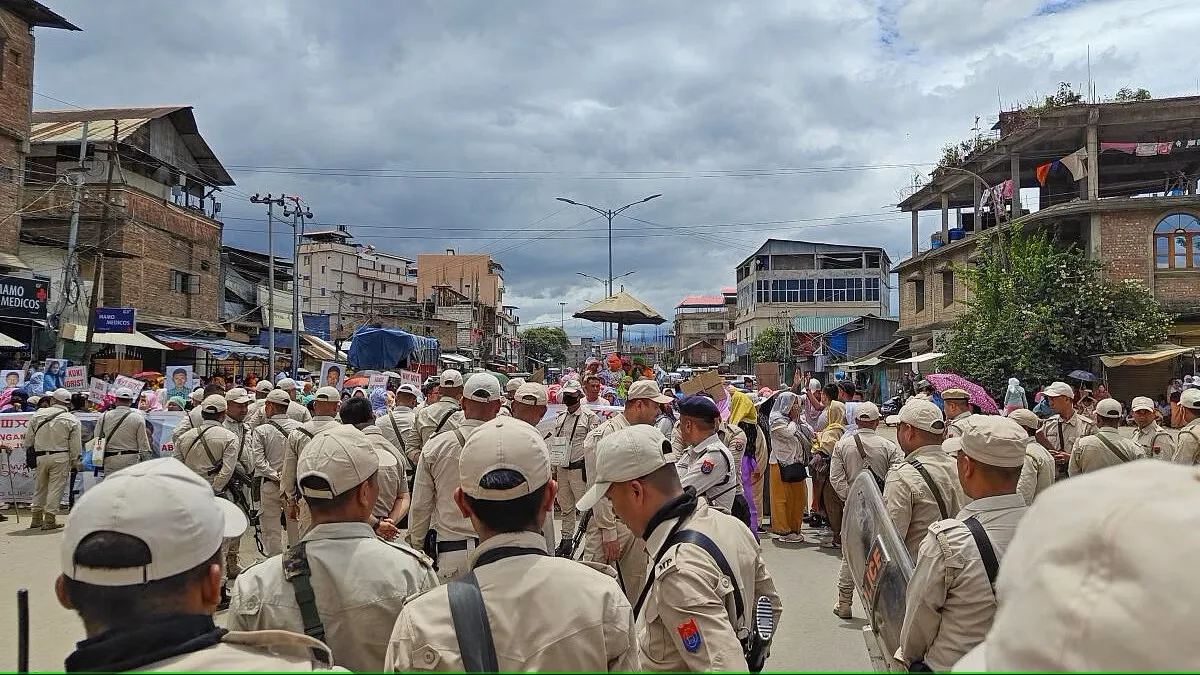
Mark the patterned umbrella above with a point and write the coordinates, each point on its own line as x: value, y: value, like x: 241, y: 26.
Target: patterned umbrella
x: 944, y: 381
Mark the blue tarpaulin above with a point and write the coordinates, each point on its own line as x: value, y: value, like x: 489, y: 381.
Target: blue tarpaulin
x: 385, y: 348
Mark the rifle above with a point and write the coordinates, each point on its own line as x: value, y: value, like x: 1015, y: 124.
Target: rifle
x: 22, y: 631
x: 12, y: 490
x: 579, y: 532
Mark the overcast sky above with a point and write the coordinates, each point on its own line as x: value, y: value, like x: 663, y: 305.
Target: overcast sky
x: 427, y: 125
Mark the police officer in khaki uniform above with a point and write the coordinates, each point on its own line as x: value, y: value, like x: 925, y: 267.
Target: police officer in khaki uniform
x: 608, y: 539
x: 358, y: 581
x: 192, y: 418
x: 547, y: 614
x: 1060, y: 432
x: 1037, y: 473
x: 295, y: 411
x: 392, y: 504
x: 269, y: 441
x: 54, y: 435
x: 146, y: 588
x: 1156, y: 442
x: 399, y: 419
x: 1106, y: 447
x: 733, y: 437
x: 325, y: 406
x: 445, y: 414
x: 571, y: 428
x: 529, y: 405
x: 123, y: 429
x: 951, y: 596
x: 706, y: 466
x: 510, y: 392
x: 691, y: 616
x: 1187, y: 441
x: 261, y: 390
x: 433, y: 508
x: 957, y: 410
x: 862, y: 450
x: 237, y: 405
x: 924, y: 488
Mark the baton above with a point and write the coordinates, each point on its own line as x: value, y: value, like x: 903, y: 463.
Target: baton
x: 22, y: 631
x: 12, y: 490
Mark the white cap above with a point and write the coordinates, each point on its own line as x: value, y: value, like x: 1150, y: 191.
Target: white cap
x: 503, y: 443
x: 123, y: 394
x: 238, y: 395
x: 1142, y: 403
x: 1103, y: 577
x: 279, y: 396
x: 513, y: 385
x: 628, y: 454
x: 343, y: 456
x: 1059, y: 389
x: 532, y: 393
x: 922, y: 414
x: 163, y: 503
x: 866, y: 411
x: 452, y: 378
x: 62, y: 395
x: 571, y: 387
x: 198, y: 394
x: 264, y: 386
x: 1109, y: 408
x: 214, y: 404
x: 408, y: 388
x: 991, y: 440
x: 1026, y: 418
x: 481, y: 387
x: 287, y: 383
x: 327, y: 394
x: 647, y: 389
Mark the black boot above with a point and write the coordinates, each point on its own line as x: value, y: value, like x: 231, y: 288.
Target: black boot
x: 224, y: 603
x: 565, y: 548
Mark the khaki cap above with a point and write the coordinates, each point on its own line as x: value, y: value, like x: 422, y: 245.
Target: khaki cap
x: 1190, y: 398
x: 408, y: 388
x: 124, y: 394
x: 61, y: 395
x: 238, y: 395
x: 451, y: 378
x: 1059, y: 389
x: 1142, y: 403
x: 513, y: 385
x: 264, y: 386
x: 866, y: 411
x: 626, y: 455
x: 165, y: 505
x: 1104, y: 577
x: 214, y: 404
x: 198, y: 394
x: 328, y: 394
x: 1026, y: 418
x: 647, y: 389
x: 286, y: 383
x: 344, y: 457
x: 503, y: 443
x: 532, y: 393
x: 991, y: 440
x: 956, y: 394
x: 922, y: 414
x: 279, y: 396
x: 1109, y: 408
x: 482, y: 387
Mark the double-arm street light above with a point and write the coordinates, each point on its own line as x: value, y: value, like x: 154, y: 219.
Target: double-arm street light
x: 609, y: 214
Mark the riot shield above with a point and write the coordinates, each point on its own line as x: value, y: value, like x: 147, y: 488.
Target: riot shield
x: 879, y: 565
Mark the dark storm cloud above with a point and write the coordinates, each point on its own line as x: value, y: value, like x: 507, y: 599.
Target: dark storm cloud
x: 583, y: 91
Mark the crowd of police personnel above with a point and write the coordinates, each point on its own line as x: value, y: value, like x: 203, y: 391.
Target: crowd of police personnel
x: 462, y: 571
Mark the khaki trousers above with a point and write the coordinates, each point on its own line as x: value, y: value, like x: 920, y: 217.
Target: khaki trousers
x: 630, y: 566
x: 571, y: 487
x: 113, y: 464
x: 50, y: 482
x: 271, y: 500
x: 787, y: 503
x: 453, y: 564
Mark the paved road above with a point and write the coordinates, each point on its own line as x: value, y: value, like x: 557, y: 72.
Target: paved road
x: 811, y: 637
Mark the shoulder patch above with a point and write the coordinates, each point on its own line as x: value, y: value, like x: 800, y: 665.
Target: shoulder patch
x: 665, y: 565
x: 706, y: 466
x: 689, y: 632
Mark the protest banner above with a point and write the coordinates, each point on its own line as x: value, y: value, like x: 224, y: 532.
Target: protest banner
x: 133, y: 385
x: 97, y: 389
x: 411, y: 377
x: 76, y: 379
x: 378, y: 380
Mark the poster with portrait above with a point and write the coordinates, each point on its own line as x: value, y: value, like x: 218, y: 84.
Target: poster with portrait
x: 179, y: 381
x: 333, y: 374
x: 12, y: 378
x: 55, y: 375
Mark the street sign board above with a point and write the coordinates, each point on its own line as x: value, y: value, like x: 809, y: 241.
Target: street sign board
x: 115, y: 319
x: 608, y: 346
x: 23, y: 298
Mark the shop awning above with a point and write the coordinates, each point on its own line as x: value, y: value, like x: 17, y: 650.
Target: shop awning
x: 455, y: 358
x: 218, y: 347
x: 319, y: 349
x: 11, y: 343
x: 1144, y: 358
x: 78, y: 333
x: 922, y: 358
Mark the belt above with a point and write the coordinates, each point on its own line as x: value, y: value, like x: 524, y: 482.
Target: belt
x: 576, y: 466
x: 460, y: 545
x: 123, y: 452
x: 50, y: 452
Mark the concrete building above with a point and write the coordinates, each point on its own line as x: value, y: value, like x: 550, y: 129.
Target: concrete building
x: 1117, y: 179
x: 785, y: 278
x: 704, y: 319
x: 469, y: 288
x: 475, y: 275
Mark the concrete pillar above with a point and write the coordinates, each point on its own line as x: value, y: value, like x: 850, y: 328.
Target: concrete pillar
x: 975, y: 191
x: 945, y: 218
x: 1015, y: 168
x: 1093, y: 155
x: 916, y: 239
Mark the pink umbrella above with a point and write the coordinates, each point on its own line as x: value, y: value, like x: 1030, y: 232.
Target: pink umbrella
x: 944, y: 381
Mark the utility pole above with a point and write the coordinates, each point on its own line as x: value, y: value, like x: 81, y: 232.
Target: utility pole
x: 562, y: 315
x: 101, y: 236
x: 271, y: 203
x: 297, y: 215
x: 70, y: 266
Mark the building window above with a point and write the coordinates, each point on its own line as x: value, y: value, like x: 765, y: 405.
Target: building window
x: 322, y: 291
x: 182, y: 282
x: 763, y: 291
x: 919, y: 296
x: 716, y: 325
x: 366, y: 287
x: 1177, y: 242
x: 871, y: 290
x: 382, y: 289
x: 947, y: 288
x: 322, y: 269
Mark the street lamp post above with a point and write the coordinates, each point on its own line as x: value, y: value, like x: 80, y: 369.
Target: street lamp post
x: 562, y: 315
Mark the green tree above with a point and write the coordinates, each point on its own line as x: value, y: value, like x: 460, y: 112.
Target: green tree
x: 770, y: 346
x: 546, y: 343
x: 1127, y: 94
x: 1039, y: 310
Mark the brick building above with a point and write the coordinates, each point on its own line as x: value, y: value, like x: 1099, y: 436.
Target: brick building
x: 704, y: 319
x: 469, y: 288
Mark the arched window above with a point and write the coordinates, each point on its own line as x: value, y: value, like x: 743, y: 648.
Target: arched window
x: 1177, y: 242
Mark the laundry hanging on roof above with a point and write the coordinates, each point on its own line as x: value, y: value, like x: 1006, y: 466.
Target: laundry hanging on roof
x: 1140, y: 149
x: 1127, y: 148
x: 1076, y: 163
x: 1043, y: 170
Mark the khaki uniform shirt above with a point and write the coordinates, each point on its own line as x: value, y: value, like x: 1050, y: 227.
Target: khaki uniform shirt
x: 547, y: 614
x: 252, y: 463
x: 1187, y: 444
x: 1071, y: 431
x: 258, y: 416
x: 190, y: 420
x: 269, y: 441
x: 845, y: 462
x: 129, y: 437
x: 951, y: 602
x: 426, y: 421
x: 217, y: 449
x: 1091, y: 453
x: 575, y: 427
x: 954, y: 428
x: 1156, y: 441
x: 709, y: 468
x: 295, y: 444
x: 1037, y: 473
x: 361, y: 583
x: 433, y: 506
x: 258, y: 651
x: 391, y: 480
x: 733, y: 438
x: 393, y: 425
x: 690, y: 595
x: 911, y: 505
x: 604, y: 519
x: 63, y: 434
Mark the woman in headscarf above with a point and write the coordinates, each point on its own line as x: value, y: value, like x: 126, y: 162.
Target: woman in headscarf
x: 1014, y: 396
x: 789, y: 491
x: 743, y: 415
x: 830, y: 503
x: 150, y: 402
x: 833, y: 421
x: 176, y: 404
x: 378, y: 399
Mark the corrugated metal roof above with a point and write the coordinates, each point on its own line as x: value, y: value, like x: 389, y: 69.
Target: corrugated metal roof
x: 821, y: 324
x: 702, y: 301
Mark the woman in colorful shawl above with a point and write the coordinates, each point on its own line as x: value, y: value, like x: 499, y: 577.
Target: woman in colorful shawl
x: 743, y: 415
x: 788, y: 498
x: 830, y: 503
